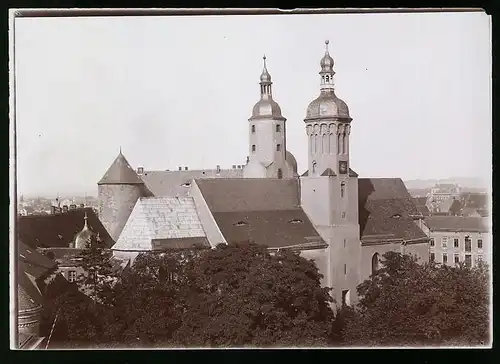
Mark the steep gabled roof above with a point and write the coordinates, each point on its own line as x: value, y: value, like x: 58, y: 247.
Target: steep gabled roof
x: 328, y: 172
x: 155, y: 221
x: 120, y: 172
x: 261, y: 210
x: 176, y: 183
x: 59, y: 230
x: 386, y: 211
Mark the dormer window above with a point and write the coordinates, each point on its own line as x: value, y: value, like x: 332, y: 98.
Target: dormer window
x: 296, y: 221
x: 240, y: 223
x: 396, y: 216
x: 186, y: 184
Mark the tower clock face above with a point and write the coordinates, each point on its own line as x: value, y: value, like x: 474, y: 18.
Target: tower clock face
x: 342, y: 167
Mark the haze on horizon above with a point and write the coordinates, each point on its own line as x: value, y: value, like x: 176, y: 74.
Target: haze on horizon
x: 178, y: 91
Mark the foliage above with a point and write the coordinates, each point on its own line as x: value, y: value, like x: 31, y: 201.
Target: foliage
x: 241, y: 295
x: 406, y: 303
x: 97, y: 279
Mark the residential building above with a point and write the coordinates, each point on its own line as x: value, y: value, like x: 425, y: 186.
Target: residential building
x: 457, y: 239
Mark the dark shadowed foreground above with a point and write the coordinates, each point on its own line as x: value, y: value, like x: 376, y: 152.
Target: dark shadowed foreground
x: 241, y: 295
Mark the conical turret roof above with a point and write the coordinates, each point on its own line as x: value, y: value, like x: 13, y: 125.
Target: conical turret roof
x: 120, y: 172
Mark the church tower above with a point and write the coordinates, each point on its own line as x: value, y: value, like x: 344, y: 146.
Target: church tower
x: 118, y: 191
x: 268, y: 157
x: 329, y: 189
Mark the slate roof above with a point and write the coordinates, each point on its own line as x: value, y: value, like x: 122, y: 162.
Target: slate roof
x: 34, y: 263
x: 120, y: 172
x: 28, y: 293
x: 63, y: 256
x: 59, y: 230
x: 386, y: 211
x: 457, y: 223
x: 421, y: 204
x: 176, y: 183
x: 161, y: 219
x: 265, y: 211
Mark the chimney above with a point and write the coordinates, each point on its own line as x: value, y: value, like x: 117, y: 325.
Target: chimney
x: 239, y: 166
x: 185, y: 168
x: 53, y: 209
x: 218, y: 168
x: 248, y: 159
x: 58, y: 210
x: 140, y: 170
x: 72, y: 207
x: 180, y: 168
x: 65, y: 208
x: 234, y: 166
x: 82, y: 205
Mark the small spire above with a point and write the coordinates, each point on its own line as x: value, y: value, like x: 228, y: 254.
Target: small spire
x: 120, y: 149
x: 85, y: 218
x: 264, y: 58
x: 326, y: 46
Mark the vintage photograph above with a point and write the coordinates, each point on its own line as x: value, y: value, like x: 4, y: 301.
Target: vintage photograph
x: 250, y: 179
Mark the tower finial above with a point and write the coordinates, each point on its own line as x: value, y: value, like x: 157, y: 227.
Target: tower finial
x: 326, y: 45
x: 120, y: 149
x: 85, y: 219
x: 264, y: 58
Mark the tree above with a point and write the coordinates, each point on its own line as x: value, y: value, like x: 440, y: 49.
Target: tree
x: 241, y: 295
x: 97, y: 278
x: 407, y: 303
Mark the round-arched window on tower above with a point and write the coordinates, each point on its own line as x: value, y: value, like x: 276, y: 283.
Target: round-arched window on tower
x: 375, y: 263
x: 280, y: 173
x: 314, y: 167
x: 342, y: 189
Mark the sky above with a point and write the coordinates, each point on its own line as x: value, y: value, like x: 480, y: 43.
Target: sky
x: 178, y: 91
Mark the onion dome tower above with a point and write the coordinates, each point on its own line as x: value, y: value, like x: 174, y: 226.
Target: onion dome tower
x: 118, y: 191
x: 83, y: 237
x: 328, y: 125
x: 267, y: 136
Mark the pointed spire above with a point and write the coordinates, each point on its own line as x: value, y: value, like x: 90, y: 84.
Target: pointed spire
x: 120, y: 172
x: 85, y: 226
x: 326, y: 46
x: 265, y: 77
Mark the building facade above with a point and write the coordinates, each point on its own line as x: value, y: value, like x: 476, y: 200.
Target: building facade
x: 456, y: 239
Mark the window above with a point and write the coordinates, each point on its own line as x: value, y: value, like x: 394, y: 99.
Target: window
x: 468, y: 260
x: 480, y: 243
x: 432, y: 257
x: 468, y: 244
x: 444, y: 241
x: 432, y: 241
x: 314, y: 167
x: 342, y: 189
x: 345, y: 269
x: 253, y: 128
x: 345, y: 297
x: 278, y: 147
x: 375, y: 263
x: 445, y: 258
x: 343, y: 215
x: 457, y: 258
x: 253, y: 148
x: 278, y: 128
x: 71, y: 276
x: 345, y: 242
x: 455, y: 243
x: 479, y: 257
x: 280, y: 173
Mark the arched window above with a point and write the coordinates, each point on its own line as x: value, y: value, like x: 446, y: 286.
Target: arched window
x: 314, y: 167
x: 324, y: 143
x: 327, y: 78
x: 331, y: 143
x: 344, y: 144
x: 342, y: 189
x: 375, y: 263
x: 338, y: 143
x: 280, y: 173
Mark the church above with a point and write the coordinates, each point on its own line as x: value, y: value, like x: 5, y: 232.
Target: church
x: 328, y: 214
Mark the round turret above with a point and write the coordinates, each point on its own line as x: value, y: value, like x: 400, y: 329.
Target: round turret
x: 83, y: 237
x: 118, y: 191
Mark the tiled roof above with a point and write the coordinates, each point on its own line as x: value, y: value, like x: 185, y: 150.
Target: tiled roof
x: 265, y: 211
x: 63, y: 256
x: 160, y: 218
x: 180, y: 243
x: 176, y: 183
x: 59, y: 230
x: 279, y: 228
x: 351, y: 173
x: 457, y: 223
x: 386, y: 211
x: 35, y: 264
x: 444, y: 206
x: 475, y: 200
x: 120, y: 172
x: 28, y: 294
x: 250, y: 194
x: 421, y: 204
